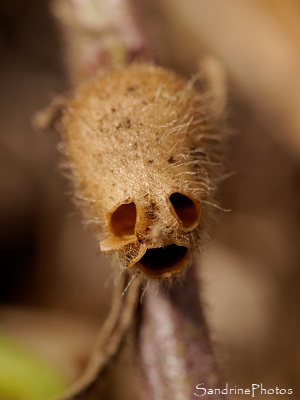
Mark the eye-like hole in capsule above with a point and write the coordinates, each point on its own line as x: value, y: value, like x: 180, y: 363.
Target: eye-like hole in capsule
x: 123, y: 219
x: 186, y: 209
x: 164, y: 261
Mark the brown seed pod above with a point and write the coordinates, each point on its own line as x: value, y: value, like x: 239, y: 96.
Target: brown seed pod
x: 145, y: 152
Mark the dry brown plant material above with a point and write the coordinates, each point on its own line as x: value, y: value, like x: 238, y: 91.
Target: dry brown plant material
x: 174, y: 345
x: 109, y: 343
x: 145, y: 152
x: 100, y: 34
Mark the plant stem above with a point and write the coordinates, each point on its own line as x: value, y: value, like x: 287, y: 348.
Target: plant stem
x: 175, y: 348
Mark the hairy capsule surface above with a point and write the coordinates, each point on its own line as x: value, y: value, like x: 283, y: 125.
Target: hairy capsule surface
x: 145, y: 152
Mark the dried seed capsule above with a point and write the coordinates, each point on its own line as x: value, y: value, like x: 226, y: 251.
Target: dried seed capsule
x: 144, y: 153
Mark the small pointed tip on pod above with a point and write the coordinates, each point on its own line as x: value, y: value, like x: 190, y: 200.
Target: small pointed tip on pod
x: 144, y: 152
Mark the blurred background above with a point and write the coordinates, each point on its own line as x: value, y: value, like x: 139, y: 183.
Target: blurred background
x: 55, y: 287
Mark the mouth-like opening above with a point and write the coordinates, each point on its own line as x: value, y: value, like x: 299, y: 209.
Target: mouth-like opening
x: 164, y: 261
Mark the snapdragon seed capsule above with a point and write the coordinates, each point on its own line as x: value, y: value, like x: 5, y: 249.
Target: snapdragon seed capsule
x: 145, y: 152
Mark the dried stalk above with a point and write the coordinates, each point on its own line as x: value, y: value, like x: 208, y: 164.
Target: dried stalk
x: 109, y: 343
x: 175, y: 348
x: 100, y: 34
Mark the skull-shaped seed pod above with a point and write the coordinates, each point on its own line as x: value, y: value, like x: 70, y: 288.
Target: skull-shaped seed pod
x: 145, y: 150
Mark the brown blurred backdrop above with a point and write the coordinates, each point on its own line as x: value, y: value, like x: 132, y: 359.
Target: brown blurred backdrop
x: 54, y: 284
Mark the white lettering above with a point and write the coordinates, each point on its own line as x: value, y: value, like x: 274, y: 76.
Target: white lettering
x: 262, y: 390
x: 198, y: 387
x: 255, y: 386
x: 225, y: 389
